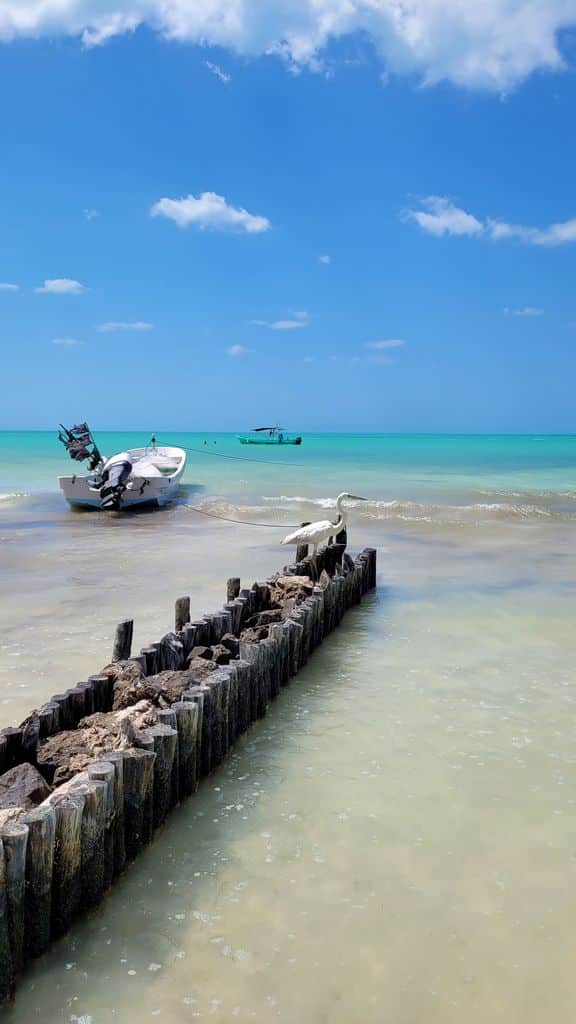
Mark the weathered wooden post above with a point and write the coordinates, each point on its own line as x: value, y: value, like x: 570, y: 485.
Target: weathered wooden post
x: 86, y: 688
x: 338, y: 554
x: 214, y: 688
x: 92, y: 842
x: 171, y: 652
x: 232, y: 588
x: 123, y: 640
x: 103, y: 771
x: 244, y: 672
x: 62, y: 702
x: 138, y: 776
x: 187, y: 725
x: 166, y: 716
x: 47, y: 721
x: 279, y: 634
x: 249, y: 654
x: 102, y: 692
x: 116, y: 758
x: 219, y: 684
x: 6, y: 965
x: 13, y: 747
x: 188, y: 638
x: 30, y: 738
x: 229, y: 676
x: 151, y: 656
x: 148, y: 820
x: 372, y: 554
x: 76, y: 705
x: 298, y: 644
x: 15, y: 838
x: 200, y: 696
x: 41, y: 822
x: 268, y: 650
x: 164, y: 739
x: 240, y: 613
x: 181, y: 613
x: 67, y: 876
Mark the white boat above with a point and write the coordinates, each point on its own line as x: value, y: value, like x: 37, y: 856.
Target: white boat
x: 137, y: 476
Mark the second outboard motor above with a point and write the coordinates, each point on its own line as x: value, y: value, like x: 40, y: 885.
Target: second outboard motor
x: 80, y: 444
x: 113, y: 481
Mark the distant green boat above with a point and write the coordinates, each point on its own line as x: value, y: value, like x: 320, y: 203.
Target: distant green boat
x: 269, y: 435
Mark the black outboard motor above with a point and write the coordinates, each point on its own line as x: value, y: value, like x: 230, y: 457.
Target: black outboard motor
x: 80, y: 444
x: 113, y: 481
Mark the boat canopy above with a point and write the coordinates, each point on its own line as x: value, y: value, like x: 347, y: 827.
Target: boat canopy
x: 257, y: 430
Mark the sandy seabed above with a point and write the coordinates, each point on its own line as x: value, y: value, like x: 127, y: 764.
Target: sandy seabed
x: 395, y: 842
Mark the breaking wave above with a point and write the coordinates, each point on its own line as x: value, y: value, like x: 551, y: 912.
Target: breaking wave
x: 13, y: 498
x: 555, y: 507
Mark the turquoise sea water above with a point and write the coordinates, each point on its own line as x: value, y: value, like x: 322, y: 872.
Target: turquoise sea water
x: 528, y: 473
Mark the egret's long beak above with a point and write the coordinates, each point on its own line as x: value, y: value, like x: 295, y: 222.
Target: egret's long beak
x: 357, y: 497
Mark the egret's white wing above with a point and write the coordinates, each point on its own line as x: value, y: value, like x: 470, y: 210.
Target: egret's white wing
x: 310, y: 534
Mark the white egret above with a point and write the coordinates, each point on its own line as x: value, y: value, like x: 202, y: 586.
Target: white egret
x: 316, y: 533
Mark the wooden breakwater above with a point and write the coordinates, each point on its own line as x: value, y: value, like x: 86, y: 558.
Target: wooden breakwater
x: 88, y: 777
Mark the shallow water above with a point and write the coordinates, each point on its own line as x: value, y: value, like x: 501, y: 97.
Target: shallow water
x: 396, y: 840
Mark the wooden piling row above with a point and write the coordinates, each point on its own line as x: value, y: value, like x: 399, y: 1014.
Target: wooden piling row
x: 61, y: 857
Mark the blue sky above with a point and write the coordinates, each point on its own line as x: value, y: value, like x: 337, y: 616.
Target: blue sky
x: 445, y: 214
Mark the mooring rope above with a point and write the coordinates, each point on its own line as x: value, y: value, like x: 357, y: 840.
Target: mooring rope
x: 240, y: 522
x: 239, y: 458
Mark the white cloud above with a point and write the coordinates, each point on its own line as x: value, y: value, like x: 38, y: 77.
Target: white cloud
x: 5, y: 287
x: 380, y: 352
x: 325, y: 259
x: 385, y: 343
x: 91, y: 214
x: 441, y: 217
x: 66, y: 341
x: 217, y: 70
x: 556, y: 234
x: 300, y: 319
x: 493, y: 45
x: 309, y: 359
x: 524, y: 311
x: 237, y: 350
x: 61, y: 286
x: 122, y: 325
x: 210, y: 211
x: 281, y: 325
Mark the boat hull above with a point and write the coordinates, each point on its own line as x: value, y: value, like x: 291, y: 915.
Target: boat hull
x: 158, y: 488
x: 274, y: 441
x: 79, y: 494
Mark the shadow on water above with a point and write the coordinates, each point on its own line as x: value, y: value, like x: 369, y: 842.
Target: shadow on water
x: 159, y: 911
x: 48, y: 510
x: 184, y: 494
